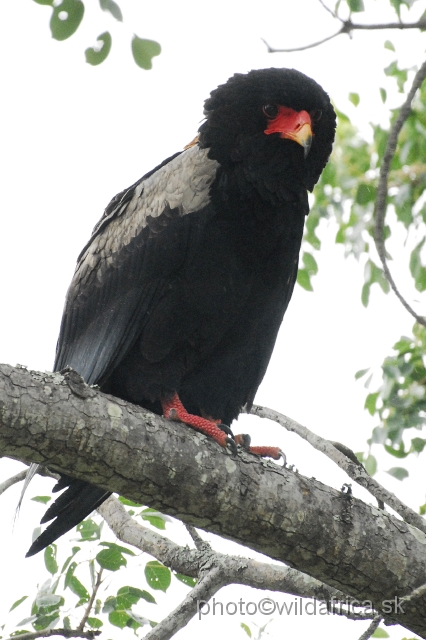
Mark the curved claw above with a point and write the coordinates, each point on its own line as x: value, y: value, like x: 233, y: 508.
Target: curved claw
x: 225, y: 429
x: 283, y: 457
x: 230, y: 442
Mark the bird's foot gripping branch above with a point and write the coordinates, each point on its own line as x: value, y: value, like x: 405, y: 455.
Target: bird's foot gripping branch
x: 174, y: 410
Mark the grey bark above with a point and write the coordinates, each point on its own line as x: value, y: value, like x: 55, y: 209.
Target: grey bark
x: 61, y: 423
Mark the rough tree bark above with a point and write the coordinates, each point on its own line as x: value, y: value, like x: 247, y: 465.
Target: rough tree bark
x: 62, y: 423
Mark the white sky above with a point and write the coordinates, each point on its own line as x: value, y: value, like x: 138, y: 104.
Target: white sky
x: 71, y: 136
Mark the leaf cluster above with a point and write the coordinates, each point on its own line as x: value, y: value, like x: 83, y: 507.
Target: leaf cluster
x: 67, y: 16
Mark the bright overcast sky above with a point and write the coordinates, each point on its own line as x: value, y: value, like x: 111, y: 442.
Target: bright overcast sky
x: 71, y: 136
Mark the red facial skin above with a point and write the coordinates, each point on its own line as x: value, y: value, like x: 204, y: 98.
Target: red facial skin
x: 293, y: 125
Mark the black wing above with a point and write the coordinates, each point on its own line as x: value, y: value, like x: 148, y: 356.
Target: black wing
x: 123, y: 269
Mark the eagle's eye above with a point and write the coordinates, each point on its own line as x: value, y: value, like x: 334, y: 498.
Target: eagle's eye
x: 316, y: 116
x: 270, y: 110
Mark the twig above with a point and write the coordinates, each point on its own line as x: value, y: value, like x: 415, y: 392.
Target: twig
x: 13, y: 480
x: 307, y: 46
x: 347, y: 27
x: 372, y: 628
x: 354, y: 471
x: 330, y: 11
x: 198, y: 541
x: 382, y: 188
x: 91, y: 601
x: 66, y: 633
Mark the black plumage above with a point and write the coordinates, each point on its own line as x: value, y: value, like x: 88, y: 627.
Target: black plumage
x: 184, y: 283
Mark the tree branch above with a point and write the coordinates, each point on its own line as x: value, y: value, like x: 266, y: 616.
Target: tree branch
x: 192, y: 562
x: 382, y: 188
x: 65, y: 633
x: 13, y: 480
x: 187, y: 609
x: 214, y: 569
x: 335, y: 538
x: 91, y: 601
x: 347, y: 27
x: 356, y: 472
x: 372, y: 628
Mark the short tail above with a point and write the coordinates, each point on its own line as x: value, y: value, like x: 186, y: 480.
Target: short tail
x: 68, y: 510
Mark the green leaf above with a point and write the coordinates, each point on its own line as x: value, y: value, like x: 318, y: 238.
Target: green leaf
x: 380, y: 633
x: 356, y: 6
x: 17, y: 603
x: 157, y: 575
x: 128, y: 503
x: 95, y: 623
x: 359, y: 374
x: 50, y: 559
x: 97, y: 54
x: 68, y: 560
x: 190, y: 582
x: 354, y: 98
x: 370, y: 464
x: 110, y: 604
x: 422, y: 509
x: 69, y: 574
x: 310, y: 263
x: 418, y: 271
x: 128, y: 596
x: 383, y: 94
x: 398, y: 472
x: 66, y: 19
x: 388, y: 45
x: 418, y: 444
x: 48, y: 2
x: 119, y: 619
x: 365, y: 194
x: 79, y: 589
x: 365, y: 294
x: 112, y: 558
x: 113, y: 8
x: 370, y: 402
x: 303, y: 278
x: 246, y: 629
x: 155, y: 520
x: 143, y: 51
x: 112, y: 545
x: 42, y: 499
x: 397, y: 453
x: 88, y: 530
x: 45, y: 621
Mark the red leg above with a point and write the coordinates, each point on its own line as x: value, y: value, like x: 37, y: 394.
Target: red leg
x: 266, y: 452
x: 174, y: 410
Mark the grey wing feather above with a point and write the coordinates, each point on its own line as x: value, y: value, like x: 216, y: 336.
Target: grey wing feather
x: 112, y: 285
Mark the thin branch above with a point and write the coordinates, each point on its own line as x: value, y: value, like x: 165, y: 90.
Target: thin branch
x: 91, y: 601
x: 330, y: 11
x: 308, y: 46
x: 13, y: 480
x: 382, y: 188
x: 65, y: 633
x: 347, y: 27
x: 354, y: 471
x: 190, y: 606
x: 190, y: 562
x: 372, y: 628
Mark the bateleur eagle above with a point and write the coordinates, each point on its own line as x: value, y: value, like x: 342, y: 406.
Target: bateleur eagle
x: 179, y: 294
